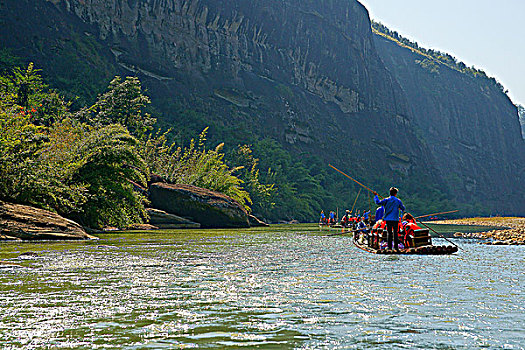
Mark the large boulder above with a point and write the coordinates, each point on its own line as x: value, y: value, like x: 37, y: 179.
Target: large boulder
x: 22, y: 222
x: 164, y: 220
x: 208, y: 208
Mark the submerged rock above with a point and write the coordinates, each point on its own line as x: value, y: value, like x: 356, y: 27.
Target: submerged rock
x: 22, y: 222
x: 141, y: 227
x: 208, y: 208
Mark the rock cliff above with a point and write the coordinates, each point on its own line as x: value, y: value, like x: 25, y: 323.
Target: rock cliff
x: 307, y: 73
x: 469, y: 124
x: 302, y: 68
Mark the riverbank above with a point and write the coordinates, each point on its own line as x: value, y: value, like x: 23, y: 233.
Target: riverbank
x: 512, y: 229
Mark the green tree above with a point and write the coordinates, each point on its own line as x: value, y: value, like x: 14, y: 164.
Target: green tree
x: 261, y: 194
x: 51, y: 161
x: 113, y: 172
x: 123, y: 103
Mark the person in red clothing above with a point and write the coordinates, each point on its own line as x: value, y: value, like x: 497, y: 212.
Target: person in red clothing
x: 409, y: 225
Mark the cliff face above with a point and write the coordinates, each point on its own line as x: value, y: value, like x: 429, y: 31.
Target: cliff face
x: 304, y: 72
x: 521, y: 113
x: 471, y: 127
x: 307, y: 71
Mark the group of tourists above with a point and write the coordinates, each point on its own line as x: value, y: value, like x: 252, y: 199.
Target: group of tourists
x: 369, y: 229
x: 327, y: 220
x: 348, y: 220
x: 400, y: 231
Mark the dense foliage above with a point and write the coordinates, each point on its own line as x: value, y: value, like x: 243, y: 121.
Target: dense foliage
x: 93, y: 164
x: 49, y: 159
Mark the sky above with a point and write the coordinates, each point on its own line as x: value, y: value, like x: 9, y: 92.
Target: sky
x: 489, y: 34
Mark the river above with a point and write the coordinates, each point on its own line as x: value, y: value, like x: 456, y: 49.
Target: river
x: 276, y: 288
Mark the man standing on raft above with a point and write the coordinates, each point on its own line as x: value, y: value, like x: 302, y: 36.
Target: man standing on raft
x: 392, y: 205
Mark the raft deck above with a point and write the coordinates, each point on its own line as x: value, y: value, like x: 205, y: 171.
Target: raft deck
x: 424, y: 250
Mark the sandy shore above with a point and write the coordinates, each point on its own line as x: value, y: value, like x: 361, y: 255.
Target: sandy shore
x: 513, y: 232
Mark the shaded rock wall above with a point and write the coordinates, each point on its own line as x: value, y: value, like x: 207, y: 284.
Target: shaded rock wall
x: 470, y: 126
x: 303, y: 69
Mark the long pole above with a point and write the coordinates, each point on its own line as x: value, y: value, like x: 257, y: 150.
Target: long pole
x: 369, y: 204
x: 445, y: 212
x: 351, y: 178
x: 440, y: 235
x: 358, y: 193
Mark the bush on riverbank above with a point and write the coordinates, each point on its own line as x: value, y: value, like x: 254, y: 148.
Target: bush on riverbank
x: 91, y: 165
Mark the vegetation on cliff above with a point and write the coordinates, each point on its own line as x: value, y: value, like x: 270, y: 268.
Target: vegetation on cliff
x: 433, y: 58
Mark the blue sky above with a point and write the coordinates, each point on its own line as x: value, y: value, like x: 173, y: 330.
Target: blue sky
x: 489, y: 34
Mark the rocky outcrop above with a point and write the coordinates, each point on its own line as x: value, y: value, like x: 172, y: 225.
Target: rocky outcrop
x: 22, y: 222
x: 208, y: 208
x: 470, y: 126
x: 164, y: 220
x: 263, y: 62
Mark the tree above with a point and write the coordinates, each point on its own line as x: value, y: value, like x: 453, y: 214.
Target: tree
x: 113, y: 172
x: 261, y: 194
x: 124, y: 104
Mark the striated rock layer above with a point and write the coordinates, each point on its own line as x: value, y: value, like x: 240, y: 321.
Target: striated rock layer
x: 303, y: 69
x: 22, y: 222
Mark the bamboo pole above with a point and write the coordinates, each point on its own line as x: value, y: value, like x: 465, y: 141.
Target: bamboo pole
x: 351, y: 178
x: 358, y: 193
x: 439, y: 234
x: 445, y: 212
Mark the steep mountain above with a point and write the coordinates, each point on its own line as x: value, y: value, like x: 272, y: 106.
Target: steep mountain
x: 468, y: 122
x: 301, y: 76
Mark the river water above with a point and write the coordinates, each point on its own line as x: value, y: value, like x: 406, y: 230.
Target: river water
x: 276, y: 288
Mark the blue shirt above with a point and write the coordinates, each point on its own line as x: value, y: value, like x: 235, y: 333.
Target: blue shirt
x: 366, y: 215
x: 392, y: 205
x: 379, y: 213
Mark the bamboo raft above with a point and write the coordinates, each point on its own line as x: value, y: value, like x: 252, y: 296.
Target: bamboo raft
x: 420, y: 243
x: 423, y: 250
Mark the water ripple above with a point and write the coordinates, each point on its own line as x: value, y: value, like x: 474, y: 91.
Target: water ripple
x: 288, y: 289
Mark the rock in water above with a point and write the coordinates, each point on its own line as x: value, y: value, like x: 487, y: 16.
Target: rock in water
x: 208, y: 208
x: 28, y: 223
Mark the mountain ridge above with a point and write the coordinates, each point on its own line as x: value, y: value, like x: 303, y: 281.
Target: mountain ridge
x: 305, y: 74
